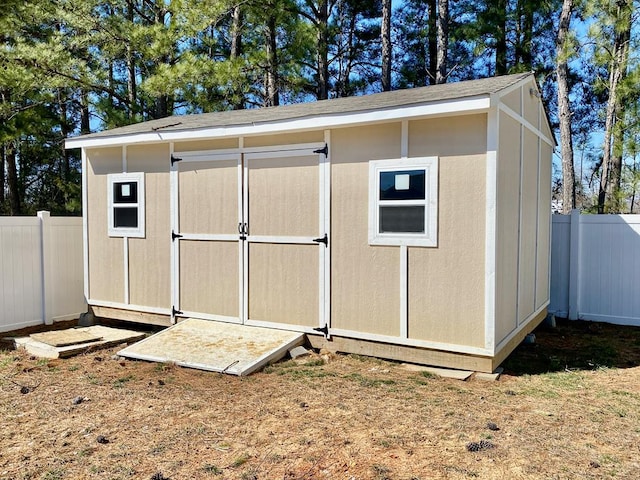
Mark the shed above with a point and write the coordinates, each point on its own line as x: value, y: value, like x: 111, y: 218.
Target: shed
x: 412, y: 225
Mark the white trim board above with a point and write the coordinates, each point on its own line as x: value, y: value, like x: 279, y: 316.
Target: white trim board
x: 466, y: 105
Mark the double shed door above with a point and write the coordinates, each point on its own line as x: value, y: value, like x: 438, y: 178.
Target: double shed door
x: 249, y: 238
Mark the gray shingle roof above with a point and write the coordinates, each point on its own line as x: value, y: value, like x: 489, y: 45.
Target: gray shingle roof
x: 338, y: 106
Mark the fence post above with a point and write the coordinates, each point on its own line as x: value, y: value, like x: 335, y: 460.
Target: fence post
x: 45, y: 259
x: 574, y: 265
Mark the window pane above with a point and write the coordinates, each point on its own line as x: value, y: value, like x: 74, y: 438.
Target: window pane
x: 125, y: 217
x: 402, y: 185
x: 402, y: 219
x: 125, y: 192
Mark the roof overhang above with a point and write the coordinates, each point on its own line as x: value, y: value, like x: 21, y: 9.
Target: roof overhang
x: 468, y: 105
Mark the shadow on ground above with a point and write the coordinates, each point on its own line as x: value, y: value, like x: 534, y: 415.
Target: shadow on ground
x: 576, y: 345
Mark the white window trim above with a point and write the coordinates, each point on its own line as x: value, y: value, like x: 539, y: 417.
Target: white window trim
x: 430, y: 236
x: 137, y: 177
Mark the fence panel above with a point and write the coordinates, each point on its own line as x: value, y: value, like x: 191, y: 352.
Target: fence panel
x: 20, y: 273
x: 596, y: 268
x: 41, y: 272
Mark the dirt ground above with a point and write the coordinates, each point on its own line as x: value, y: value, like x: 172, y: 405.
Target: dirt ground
x: 566, y: 407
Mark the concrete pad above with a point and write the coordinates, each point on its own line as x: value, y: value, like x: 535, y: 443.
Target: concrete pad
x: 490, y: 377
x: 108, y: 337
x: 441, y: 372
x: 62, y: 338
x: 215, y: 346
x: 299, y: 351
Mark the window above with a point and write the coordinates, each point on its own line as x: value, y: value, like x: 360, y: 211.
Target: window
x: 403, y: 202
x: 126, y: 204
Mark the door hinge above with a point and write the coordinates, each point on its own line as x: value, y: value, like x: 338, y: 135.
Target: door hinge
x: 324, y: 150
x: 174, y: 159
x: 175, y: 235
x: 324, y: 330
x: 175, y: 312
x: 324, y: 240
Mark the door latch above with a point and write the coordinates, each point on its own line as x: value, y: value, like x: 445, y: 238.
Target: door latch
x: 242, y: 230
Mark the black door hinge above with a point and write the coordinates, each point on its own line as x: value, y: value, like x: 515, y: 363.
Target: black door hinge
x: 324, y: 150
x: 174, y: 159
x: 175, y: 235
x: 175, y: 312
x: 324, y: 240
x: 324, y: 330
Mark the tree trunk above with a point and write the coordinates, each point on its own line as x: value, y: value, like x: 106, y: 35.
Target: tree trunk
x: 432, y: 40
x: 85, y: 123
x: 131, y: 68
x: 15, y: 207
x: 236, y: 51
x: 386, y: 45
x: 236, y: 32
x: 65, y: 131
x: 2, y: 182
x: 501, y: 37
x: 564, y: 110
x: 611, y: 169
x: 443, y: 41
x: 323, y: 50
x: 271, y: 75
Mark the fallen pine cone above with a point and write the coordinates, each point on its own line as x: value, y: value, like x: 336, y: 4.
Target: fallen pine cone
x: 479, y: 446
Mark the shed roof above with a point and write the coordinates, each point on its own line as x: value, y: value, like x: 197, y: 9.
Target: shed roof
x: 333, y: 107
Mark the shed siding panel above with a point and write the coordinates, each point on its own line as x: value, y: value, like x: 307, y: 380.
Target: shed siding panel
x: 512, y: 100
x: 446, y: 284
x: 283, y: 283
x: 149, y: 257
x: 528, y: 227
x: 507, y: 226
x: 544, y: 225
x: 531, y: 104
x: 365, y: 280
x: 448, y: 136
x: 209, y: 277
x: 283, y: 196
x: 209, y: 197
x: 106, y: 255
x: 284, y: 139
x: 199, y: 145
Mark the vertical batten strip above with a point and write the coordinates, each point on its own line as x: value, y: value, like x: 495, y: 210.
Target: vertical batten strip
x: 326, y: 264
x: 404, y: 254
x: 404, y: 140
x: 491, y: 181
x: 404, y: 287
x: 85, y: 225
x: 125, y: 256
x: 520, y: 203
x: 241, y: 219
x: 174, y: 221
x: 125, y: 239
x: 245, y: 243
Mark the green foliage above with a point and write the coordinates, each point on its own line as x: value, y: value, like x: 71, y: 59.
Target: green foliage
x: 68, y: 67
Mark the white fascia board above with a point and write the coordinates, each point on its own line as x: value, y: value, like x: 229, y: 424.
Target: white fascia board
x: 466, y: 105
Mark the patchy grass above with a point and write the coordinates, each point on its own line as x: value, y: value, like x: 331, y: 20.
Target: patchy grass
x: 567, y: 407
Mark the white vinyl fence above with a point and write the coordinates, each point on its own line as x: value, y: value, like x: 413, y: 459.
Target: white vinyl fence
x: 41, y: 271
x: 595, y: 268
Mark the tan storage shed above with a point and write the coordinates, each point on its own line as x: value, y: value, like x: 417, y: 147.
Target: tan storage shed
x: 412, y: 225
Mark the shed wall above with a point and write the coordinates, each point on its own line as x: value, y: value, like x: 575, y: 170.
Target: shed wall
x: 446, y: 284
x: 149, y: 257
x: 106, y: 254
x: 507, y: 225
x: 523, y: 217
